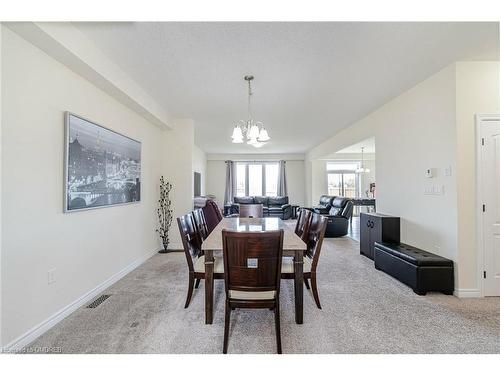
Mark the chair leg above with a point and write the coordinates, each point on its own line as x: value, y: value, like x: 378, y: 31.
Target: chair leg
x: 306, y: 281
x: 314, y: 286
x: 190, y: 290
x: 277, y: 323
x: 197, y: 283
x: 226, y: 327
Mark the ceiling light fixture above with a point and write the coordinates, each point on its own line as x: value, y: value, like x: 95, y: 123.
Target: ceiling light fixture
x: 362, y: 168
x: 254, y: 132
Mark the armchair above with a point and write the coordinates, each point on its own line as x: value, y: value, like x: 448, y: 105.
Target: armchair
x: 338, y: 217
x: 325, y: 204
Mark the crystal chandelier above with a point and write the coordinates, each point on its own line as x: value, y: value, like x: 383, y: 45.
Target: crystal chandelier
x: 254, y: 131
x: 362, y: 168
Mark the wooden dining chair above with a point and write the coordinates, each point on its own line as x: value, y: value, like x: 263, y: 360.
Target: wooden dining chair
x: 314, y: 241
x: 195, y: 260
x: 252, y: 280
x: 251, y: 210
x: 200, y: 223
x: 303, y: 223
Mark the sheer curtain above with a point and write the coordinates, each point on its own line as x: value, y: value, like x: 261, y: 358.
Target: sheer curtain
x: 230, y: 182
x: 282, y: 190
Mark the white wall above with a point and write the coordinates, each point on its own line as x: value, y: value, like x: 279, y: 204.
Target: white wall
x: 200, y: 166
x: 413, y: 132
x: 430, y: 126
x: 216, y: 173
x: 88, y: 247
x: 478, y: 92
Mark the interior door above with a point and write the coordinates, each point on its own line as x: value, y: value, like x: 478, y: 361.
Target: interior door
x: 490, y: 165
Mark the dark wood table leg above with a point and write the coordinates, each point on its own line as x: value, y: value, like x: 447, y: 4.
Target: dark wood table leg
x: 209, y: 286
x: 298, y: 264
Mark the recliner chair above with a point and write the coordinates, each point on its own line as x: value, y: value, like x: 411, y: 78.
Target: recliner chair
x: 325, y: 204
x: 338, y: 217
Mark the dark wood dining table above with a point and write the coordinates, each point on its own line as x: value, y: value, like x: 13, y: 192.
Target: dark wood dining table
x: 293, y: 246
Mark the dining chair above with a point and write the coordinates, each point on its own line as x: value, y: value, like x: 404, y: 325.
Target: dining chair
x: 251, y: 210
x: 195, y: 260
x: 314, y: 241
x: 252, y: 280
x: 212, y: 214
x: 303, y: 223
x: 200, y: 223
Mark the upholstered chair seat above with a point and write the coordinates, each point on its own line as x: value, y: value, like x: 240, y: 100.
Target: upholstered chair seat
x: 199, y: 264
x: 239, y: 294
x: 287, y: 265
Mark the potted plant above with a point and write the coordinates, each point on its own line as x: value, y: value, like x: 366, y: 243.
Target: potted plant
x: 164, y: 213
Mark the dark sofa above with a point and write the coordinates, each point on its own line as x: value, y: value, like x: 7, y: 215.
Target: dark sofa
x: 273, y: 206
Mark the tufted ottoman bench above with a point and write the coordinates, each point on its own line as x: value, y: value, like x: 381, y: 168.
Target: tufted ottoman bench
x: 420, y: 270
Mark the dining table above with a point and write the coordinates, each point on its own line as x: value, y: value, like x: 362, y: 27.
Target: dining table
x: 293, y: 246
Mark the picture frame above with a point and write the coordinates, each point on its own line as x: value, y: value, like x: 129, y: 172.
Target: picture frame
x: 102, y: 168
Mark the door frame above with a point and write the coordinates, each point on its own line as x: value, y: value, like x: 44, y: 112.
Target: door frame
x: 480, y: 119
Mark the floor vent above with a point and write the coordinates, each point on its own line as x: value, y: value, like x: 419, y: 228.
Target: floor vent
x: 98, y: 301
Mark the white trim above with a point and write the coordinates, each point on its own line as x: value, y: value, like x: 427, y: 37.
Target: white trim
x: 35, y: 332
x: 467, y: 293
x: 479, y: 203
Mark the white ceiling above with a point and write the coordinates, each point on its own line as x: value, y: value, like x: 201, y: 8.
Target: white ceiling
x: 311, y: 79
x: 368, y: 144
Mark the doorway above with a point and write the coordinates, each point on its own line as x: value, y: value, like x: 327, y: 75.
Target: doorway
x: 488, y: 164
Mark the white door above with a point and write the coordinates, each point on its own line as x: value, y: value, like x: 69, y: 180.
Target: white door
x: 490, y: 172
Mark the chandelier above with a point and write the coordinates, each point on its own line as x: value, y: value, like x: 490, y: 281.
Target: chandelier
x: 253, y: 131
x: 362, y: 168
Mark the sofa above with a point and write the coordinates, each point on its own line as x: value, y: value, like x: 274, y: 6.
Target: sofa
x: 273, y: 206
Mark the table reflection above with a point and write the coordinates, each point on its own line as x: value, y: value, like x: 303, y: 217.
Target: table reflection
x: 256, y: 224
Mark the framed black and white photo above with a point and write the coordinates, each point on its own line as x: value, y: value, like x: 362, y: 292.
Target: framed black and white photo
x: 102, y: 167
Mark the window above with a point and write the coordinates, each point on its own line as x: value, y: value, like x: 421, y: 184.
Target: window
x: 256, y: 179
x: 241, y: 183
x: 272, y: 180
x: 342, y: 179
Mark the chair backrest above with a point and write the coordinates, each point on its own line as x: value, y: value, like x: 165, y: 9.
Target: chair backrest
x: 212, y: 214
x: 252, y: 260
x: 326, y: 200
x: 347, y: 213
x: 199, y: 222
x: 303, y: 223
x: 315, y: 237
x: 251, y: 210
x: 190, y: 239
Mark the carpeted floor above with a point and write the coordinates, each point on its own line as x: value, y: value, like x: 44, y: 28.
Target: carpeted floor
x: 364, y: 311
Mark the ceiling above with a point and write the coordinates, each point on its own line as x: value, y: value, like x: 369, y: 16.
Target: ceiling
x: 311, y: 79
x: 368, y: 144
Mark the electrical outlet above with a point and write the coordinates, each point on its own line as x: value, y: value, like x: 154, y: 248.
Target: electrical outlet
x: 51, y: 276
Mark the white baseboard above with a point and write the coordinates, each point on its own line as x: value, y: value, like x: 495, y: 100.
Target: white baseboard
x: 35, y: 332
x: 467, y: 293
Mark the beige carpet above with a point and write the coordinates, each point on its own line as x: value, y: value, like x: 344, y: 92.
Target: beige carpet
x: 364, y: 311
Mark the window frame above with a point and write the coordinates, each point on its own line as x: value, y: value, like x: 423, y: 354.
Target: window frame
x: 247, y: 180
x: 342, y: 172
